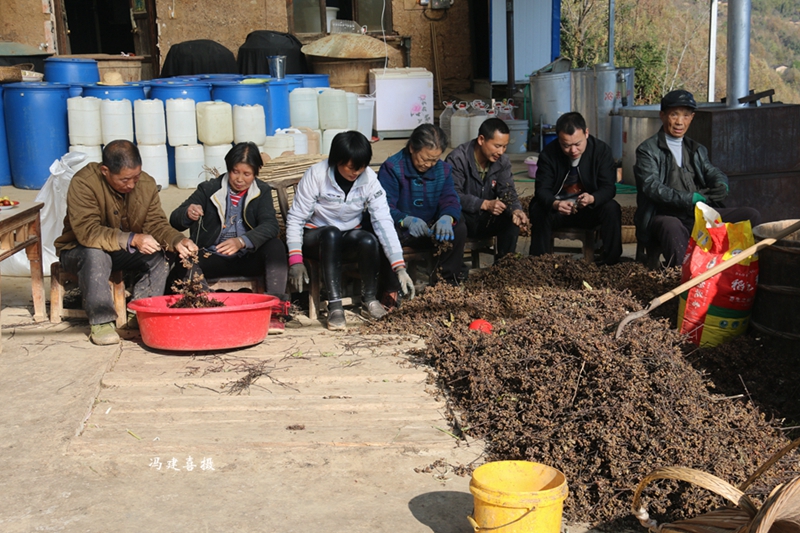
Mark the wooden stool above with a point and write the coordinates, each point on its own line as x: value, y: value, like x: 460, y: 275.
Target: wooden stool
x: 586, y: 236
x: 234, y: 283
x: 58, y: 278
x: 315, y: 285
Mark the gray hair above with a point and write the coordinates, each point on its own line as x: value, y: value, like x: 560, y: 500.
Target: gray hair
x: 427, y: 136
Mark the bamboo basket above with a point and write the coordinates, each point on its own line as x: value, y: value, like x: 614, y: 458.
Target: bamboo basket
x: 779, y: 514
x: 10, y: 74
x: 628, y: 234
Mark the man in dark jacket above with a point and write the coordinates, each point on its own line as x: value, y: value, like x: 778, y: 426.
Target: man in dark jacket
x: 484, y: 183
x: 673, y: 173
x: 575, y: 187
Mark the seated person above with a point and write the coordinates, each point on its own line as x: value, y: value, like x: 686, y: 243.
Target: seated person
x: 424, y: 204
x: 575, y: 187
x: 115, y: 222
x: 673, y: 173
x: 324, y: 223
x: 485, y: 186
x: 232, y: 220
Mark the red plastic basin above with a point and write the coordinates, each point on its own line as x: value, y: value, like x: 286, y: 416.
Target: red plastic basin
x: 243, y: 321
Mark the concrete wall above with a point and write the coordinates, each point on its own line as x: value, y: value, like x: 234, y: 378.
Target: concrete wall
x: 28, y: 22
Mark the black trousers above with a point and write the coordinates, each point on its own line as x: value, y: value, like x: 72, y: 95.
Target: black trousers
x: 269, y: 260
x: 93, y: 267
x: 672, y: 233
x: 608, y: 216
x: 484, y: 225
x: 332, y: 247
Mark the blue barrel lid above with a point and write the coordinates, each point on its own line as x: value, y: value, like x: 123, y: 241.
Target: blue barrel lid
x: 241, y: 83
x: 70, y: 60
x: 37, y: 85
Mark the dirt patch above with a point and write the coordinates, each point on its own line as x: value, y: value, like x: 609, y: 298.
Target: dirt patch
x: 553, y: 385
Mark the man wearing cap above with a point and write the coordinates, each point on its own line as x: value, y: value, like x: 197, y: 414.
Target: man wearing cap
x: 672, y: 174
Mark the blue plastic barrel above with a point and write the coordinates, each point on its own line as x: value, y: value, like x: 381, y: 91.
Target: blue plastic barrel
x: 36, y: 126
x: 293, y: 83
x: 164, y: 89
x: 279, y: 118
x: 5, y: 168
x: 71, y: 70
x: 129, y: 91
x: 211, y: 78
x: 75, y: 90
x: 316, y: 80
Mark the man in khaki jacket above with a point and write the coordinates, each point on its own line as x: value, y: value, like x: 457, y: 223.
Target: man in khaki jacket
x: 115, y: 222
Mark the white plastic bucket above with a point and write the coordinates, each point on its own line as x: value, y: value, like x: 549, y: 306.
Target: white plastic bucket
x: 366, y: 115
x: 518, y: 140
x: 155, y: 162
x: 83, y: 116
x: 151, y: 127
x: 460, y: 132
x: 94, y: 154
x: 303, y: 108
x: 352, y: 111
x: 215, y: 122
x: 330, y: 14
x: 214, y: 157
x: 332, y: 109
x: 327, y: 139
x: 189, y: 162
x: 475, y: 122
x: 300, y: 140
x: 275, y: 145
x: 181, y: 121
x: 249, y: 124
x: 116, y: 120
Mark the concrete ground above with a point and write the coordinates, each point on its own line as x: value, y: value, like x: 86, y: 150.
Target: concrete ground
x: 329, y: 434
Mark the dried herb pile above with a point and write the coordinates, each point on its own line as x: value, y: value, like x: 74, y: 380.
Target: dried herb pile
x: 552, y: 385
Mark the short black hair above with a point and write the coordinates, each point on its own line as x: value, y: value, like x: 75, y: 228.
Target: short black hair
x: 350, y: 147
x: 121, y: 154
x: 247, y: 153
x: 569, y: 122
x: 490, y: 126
x: 427, y: 136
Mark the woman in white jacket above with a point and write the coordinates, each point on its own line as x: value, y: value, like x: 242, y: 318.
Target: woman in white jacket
x: 324, y: 224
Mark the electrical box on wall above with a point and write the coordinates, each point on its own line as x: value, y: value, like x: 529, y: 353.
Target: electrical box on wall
x: 440, y: 4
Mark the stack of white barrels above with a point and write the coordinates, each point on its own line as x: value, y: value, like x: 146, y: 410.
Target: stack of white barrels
x: 321, y: 114
x: 151, y: 136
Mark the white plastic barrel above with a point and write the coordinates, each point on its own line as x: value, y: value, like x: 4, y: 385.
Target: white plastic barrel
x: 352, y: 111
x: 151, y: 127
x: 460, y: 132
x: 275, y: 145
x: 327, y: 138
x: 332, y: 109
x: 116, y: 120
x: 366, y: 115
x: 214, y: 157
x: 94, y: 154
x: 83, y: 116
x: 181, y: 121
x: 215, y: 122
x: 249, y: 124
x: 189, y: 163
x: 303, y: 109
x: 300, y: 139
x: 475, y: 122
x: 155, y: 163
x: 518, y: 140
x: 313, y: 137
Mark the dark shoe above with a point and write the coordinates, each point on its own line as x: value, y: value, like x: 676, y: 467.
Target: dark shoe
x: 373, y: 310
x: 104, y: 334
x: 336, y: 320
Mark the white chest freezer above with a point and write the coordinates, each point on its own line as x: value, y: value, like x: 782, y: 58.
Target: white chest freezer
x: 403, y: 100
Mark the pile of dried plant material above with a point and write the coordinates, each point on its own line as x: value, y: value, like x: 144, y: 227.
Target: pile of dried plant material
x: 551, y: 384
x: 193, y: 288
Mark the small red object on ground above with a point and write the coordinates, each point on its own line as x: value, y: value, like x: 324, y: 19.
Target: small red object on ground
x: 481, y: 325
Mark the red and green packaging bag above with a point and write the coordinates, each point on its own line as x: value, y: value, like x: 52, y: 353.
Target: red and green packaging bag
x: 719, y: 308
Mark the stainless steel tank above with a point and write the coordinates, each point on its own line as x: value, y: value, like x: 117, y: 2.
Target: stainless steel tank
x: 638, y: 124
x: 584, y: 100
x: 605, y: 80
x: 550, y: 95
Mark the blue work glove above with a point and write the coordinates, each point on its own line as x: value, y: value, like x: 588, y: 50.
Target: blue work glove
x: 444, y: 229
x: 697, y: 197
x: 416, y: 226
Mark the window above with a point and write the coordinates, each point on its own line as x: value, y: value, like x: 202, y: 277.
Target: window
x: 309, y: 14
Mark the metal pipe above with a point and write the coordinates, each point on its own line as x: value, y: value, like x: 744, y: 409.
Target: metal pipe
x: 611, y: 32
x: 512, y: 82
x: 712, y: 52
x: 738, y: 77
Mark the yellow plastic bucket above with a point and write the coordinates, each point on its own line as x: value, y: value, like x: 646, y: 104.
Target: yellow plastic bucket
x: 517, y: 497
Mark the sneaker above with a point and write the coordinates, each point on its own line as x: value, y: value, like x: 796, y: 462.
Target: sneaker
x: 336, y: 320
x: 276, y: 325
x: 104, y: 334
x: 373, y: 310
